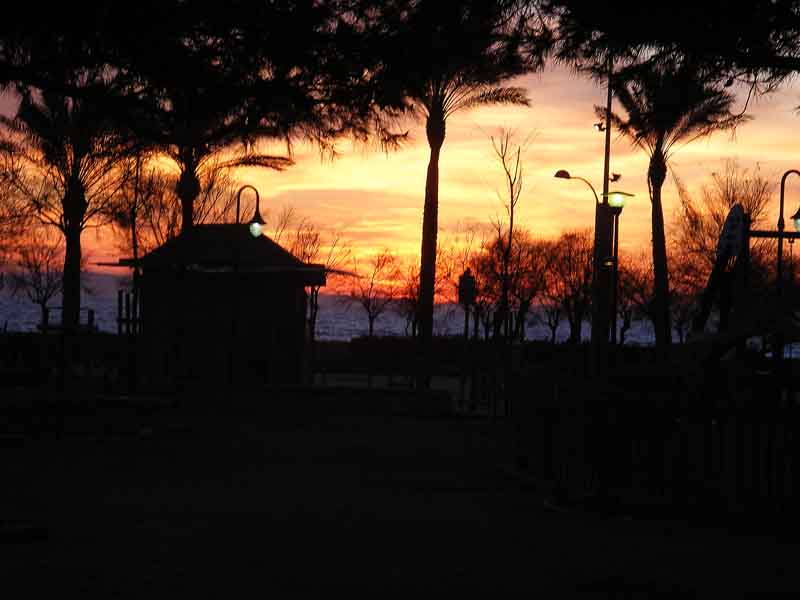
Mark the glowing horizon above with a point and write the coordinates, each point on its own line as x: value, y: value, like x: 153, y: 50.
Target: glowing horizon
x: 375, y: 199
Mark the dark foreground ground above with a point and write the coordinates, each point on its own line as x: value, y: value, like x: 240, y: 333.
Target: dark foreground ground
x: 297, y: 497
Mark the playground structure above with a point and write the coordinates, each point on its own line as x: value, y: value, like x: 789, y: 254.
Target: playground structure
x: 740, y: 316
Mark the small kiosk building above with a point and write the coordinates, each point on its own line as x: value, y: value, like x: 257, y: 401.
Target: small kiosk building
x: 221, y: 305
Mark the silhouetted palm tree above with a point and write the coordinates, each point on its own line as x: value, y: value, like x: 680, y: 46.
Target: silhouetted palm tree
x: 667, y: 105
x: 194, y: 115
x: 220, y: 82
x: 454, y: 60
x: 68, y: 149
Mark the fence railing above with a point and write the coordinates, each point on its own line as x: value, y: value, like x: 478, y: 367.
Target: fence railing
x: 726, y: 445
x: 129, y: 312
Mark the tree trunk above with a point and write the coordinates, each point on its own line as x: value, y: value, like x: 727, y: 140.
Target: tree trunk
x: 187, y: 189
x: 371, y: 325
x: 45, y: 316
x: 574, y: 329
x: 522, y: 313
x: 626, y: 325
x: 656, y: 175
x: 435, y: 129
x: 133, y: 216
x: 71, y: 294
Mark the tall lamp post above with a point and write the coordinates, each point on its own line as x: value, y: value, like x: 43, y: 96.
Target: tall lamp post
x: 602, y: 278
x: 616, y: 200
x: 613, y: 203
x: 603, y: 232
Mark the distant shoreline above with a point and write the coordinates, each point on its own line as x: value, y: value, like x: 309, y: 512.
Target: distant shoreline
x: 338, y: 320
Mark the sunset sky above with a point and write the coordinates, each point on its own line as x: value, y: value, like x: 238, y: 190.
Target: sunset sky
x: 376, y: 199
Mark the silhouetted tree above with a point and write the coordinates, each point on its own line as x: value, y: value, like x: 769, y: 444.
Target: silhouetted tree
x: 484, y: 266
x: 551, y: 312
x: 373, y: 285
x: 635, y: 292
x: 525, y: 268
x: 67, y: 150
x: 448, y: 60
x: 407, y: 300
x: 145, y: 213
x: 698, y: 223
x: 218, y: 85
x: 509, y: 158
x: 142, y: 187
x: 14, y: 218
x: 332, y: 251
x: 666, y: 105
x: 197, y: 121
x: 530, y: 265
x: 756, y: 44
x: 38, y: 270
x: 571, y: 278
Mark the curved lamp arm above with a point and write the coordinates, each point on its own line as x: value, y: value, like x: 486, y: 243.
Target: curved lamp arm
x: 591, y: 187
x: 239, y: 198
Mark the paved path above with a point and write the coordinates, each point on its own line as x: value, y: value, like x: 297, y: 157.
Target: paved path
x: 223, y: 506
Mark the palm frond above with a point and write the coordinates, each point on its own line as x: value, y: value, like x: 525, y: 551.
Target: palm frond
x: 277, y: 163
x: 9, y: 147
x: 708, y: 117
x: 670, y: 103
x: 488, y: 96
x: 626, y: 129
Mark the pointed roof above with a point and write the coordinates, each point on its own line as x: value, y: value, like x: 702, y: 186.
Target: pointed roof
x: 227, y: 247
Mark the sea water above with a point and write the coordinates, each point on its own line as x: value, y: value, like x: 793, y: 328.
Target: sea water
x: 339, y: 318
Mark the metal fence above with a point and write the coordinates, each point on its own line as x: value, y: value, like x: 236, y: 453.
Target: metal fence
x: 724, y: 443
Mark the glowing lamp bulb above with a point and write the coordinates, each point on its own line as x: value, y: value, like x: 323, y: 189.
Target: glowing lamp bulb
x: 255, y: 229
x: 617, y: 199
x: 796, y: 220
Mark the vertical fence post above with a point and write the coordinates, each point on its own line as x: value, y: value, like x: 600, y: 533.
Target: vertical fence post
x: 119, y: 312
x: 127, y: 313
x: 135, y: 324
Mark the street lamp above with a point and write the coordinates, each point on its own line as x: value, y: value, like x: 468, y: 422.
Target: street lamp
x: 616, y: 200
x: 562, y: 174
x: 255, y: 227
x: 257, y: 223
x: 603, y: 232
